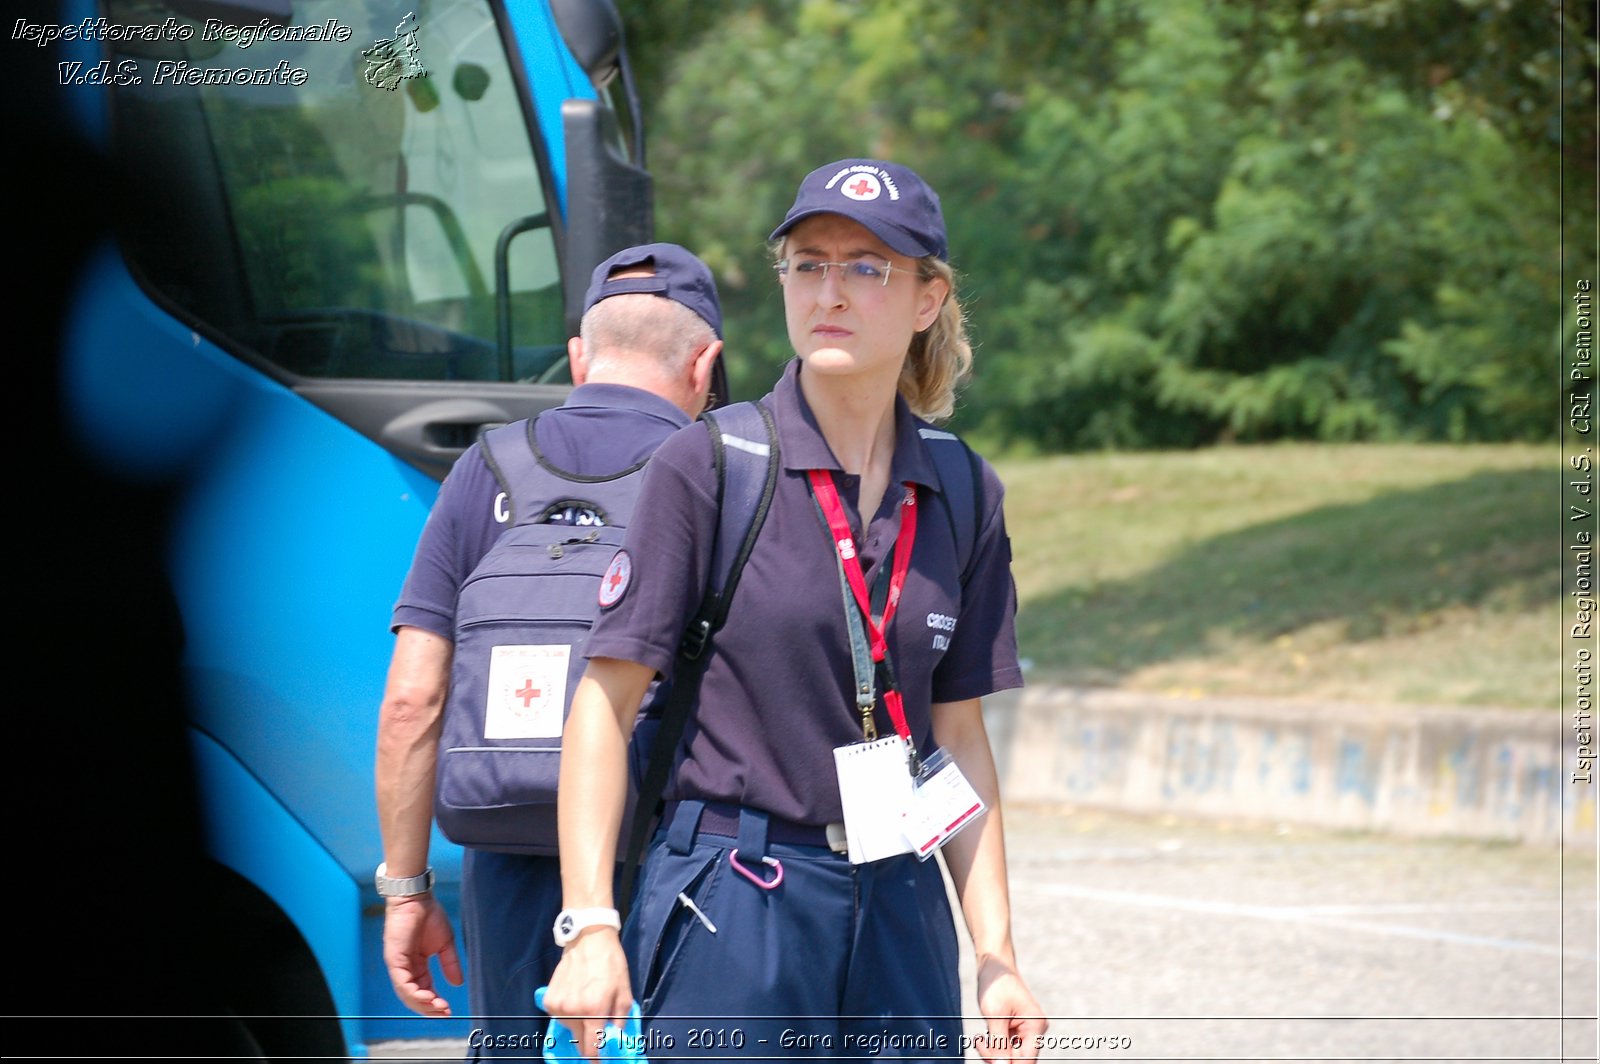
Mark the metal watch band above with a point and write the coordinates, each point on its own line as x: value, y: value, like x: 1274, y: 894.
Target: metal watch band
x: 405, y: 886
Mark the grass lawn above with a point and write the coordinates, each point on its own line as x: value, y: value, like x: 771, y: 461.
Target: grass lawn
x: 1391, y: 573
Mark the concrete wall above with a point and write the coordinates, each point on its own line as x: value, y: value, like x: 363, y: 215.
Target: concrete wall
x: 1414, y: 770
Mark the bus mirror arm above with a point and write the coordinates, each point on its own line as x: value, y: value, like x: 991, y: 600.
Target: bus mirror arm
x: 502, y: 285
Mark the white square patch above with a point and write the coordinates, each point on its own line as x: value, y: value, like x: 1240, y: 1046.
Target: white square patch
x: 527, y: 691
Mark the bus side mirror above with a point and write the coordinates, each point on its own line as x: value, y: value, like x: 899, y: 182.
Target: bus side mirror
x: 609, y: 201
x: 593, y: 32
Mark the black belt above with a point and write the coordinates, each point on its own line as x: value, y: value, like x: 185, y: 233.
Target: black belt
x: 722, y: 818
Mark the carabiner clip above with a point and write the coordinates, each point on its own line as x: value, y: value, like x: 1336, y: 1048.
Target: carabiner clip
x: 764, y: 884
x: 913, y: 761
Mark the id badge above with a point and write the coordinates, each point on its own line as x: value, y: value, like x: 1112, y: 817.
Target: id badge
x: 942, y: 802
x: 875, y: 789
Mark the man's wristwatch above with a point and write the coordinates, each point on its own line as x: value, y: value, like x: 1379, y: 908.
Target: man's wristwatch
x: 404, y: 886
x: 571, y: 921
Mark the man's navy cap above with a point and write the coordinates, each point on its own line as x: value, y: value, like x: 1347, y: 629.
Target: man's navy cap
x: 890, y: 200
x: 679, y: 275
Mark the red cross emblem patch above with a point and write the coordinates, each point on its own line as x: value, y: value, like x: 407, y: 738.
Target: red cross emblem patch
x: 615, y: 583
x: 861, y: 187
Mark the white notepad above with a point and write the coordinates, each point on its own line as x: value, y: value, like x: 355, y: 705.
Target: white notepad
x: 875, y: 788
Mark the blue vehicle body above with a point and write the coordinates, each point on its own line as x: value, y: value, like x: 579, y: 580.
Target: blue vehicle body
x: 296, y: 518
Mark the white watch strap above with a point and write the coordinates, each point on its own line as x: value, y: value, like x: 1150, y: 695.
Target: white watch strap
x: 572, y: 921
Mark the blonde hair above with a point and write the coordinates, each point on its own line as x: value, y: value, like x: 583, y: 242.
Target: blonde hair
x: 940, y: 356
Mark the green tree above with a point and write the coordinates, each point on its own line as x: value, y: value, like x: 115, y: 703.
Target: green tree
x: 1176, y: 222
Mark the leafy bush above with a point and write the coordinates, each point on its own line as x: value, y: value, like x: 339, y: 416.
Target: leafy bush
x: 1176, y: 222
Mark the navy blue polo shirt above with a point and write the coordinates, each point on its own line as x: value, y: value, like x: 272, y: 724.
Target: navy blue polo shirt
x: 777, y: 696
x: 601, y: 430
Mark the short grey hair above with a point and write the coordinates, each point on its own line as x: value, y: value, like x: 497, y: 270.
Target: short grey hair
x: 623, y: 325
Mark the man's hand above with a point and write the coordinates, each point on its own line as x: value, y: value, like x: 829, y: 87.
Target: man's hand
x: 415, y: 929
x: 1013, y: 1015
x: 590, y: 988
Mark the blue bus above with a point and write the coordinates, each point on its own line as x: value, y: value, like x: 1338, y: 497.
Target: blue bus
x: 353, y: 233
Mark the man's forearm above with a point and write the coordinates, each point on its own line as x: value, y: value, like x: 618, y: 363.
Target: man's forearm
x: 408, y: 738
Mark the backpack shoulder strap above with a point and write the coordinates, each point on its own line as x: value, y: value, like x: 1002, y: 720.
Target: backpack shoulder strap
x: 961, y: 480
x: 744, y: 450
x: 535, y: 488
x: 509, y: 453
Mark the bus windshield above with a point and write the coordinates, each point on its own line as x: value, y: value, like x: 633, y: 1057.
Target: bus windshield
x: 332, y: 190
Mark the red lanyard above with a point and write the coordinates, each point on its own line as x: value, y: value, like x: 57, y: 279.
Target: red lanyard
x: 828, y: 498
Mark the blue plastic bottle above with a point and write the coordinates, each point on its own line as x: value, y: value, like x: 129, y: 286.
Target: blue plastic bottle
x: 624, y: 1043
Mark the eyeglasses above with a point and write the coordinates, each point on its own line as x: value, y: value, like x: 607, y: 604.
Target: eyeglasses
x: 856, y: 274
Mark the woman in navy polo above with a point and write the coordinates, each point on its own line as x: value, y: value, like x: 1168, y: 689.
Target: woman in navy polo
x: 783, y: 908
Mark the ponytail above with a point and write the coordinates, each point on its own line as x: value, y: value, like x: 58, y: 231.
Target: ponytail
x: 940, y: 357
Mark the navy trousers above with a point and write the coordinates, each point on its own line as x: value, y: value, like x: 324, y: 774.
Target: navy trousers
x: 836, y: 960
x: 509, y: 903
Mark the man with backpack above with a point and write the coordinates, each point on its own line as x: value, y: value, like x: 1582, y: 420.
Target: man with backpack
x: 642, y: 365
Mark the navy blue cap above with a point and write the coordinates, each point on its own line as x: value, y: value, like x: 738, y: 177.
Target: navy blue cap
x: 890, y: 200
x: 679, y: 275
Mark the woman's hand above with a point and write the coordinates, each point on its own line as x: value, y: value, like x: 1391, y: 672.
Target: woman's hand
x: 976, y: 859
x: 590, y: 988
x: 1015, y: 1020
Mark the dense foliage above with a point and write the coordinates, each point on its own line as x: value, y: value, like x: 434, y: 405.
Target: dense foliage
x: 1176, y: 221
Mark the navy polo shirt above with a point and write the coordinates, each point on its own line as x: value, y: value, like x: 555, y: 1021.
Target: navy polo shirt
x: 777, y: 696
x: 601, y: 430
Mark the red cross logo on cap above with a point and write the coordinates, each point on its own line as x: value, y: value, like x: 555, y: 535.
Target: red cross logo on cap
x: 615, y: 583
x: 862, y: 187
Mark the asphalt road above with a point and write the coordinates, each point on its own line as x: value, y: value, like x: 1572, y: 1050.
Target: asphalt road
x: 1155, y: 940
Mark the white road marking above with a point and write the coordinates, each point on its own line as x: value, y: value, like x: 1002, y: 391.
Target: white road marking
x: 1295, y: 915
x: 1425, y: 907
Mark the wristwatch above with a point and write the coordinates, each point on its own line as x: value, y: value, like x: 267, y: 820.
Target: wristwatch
x: 572, y: 921
x: 403, y: 887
